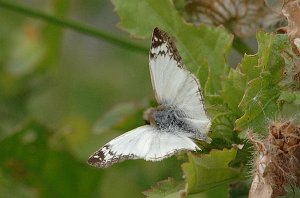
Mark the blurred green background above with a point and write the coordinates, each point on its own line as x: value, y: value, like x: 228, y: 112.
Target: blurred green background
x: 60, y: 92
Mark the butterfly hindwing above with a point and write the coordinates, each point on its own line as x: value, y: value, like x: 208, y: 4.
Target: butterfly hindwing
x: 145, y: 142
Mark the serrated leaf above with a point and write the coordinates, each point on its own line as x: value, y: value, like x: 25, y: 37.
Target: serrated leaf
x: 198, y: 45
x: 233, y: 88
x: 167, y: 188
x: 276, y: 61
x: 259, y: 94
x: 265, y: 46
x: 260, y: 123
x: 209, y: 171
x: 262, y: 91
x: 249, y: 67
x: 223, y: 127
x: 253, y: 65
x: 268, y: 57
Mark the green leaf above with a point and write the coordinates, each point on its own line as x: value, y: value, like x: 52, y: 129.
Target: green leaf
x: 220, y: 191
x: 167, y: 188
x: 268, y: 58
x: 233, y: 90
x: 262, y: 91
x: 265, y: 46
x: 223, y: 128
x: 259, y: 94
x: 249, y: 67
x: 289, y: 104
x: 209, y: 171
x: 198, y: 45
x: 276, y: 60
x: 290, y: 70
x: 287, y: 96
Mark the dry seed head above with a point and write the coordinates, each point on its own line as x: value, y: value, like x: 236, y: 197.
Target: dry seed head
x: 277, y: 160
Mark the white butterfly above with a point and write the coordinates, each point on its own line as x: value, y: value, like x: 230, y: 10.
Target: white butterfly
x: 179, y: 118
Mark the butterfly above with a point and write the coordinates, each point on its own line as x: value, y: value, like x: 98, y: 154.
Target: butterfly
x: 172, y: 126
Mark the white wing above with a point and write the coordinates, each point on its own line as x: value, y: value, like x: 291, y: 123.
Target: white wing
x: 145, y: 142
x: 173, y: 84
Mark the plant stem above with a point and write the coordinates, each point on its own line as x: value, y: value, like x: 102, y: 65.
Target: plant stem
x: 88, y: 30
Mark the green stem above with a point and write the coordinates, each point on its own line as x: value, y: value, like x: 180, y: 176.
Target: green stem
x: 241, y: 46
x: 88, y: 30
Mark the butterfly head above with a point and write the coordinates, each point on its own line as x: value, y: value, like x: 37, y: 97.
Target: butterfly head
x: 147, y: 116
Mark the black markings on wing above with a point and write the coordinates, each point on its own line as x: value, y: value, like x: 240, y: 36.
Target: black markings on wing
x: 159, y: 38
x: 105, y: 157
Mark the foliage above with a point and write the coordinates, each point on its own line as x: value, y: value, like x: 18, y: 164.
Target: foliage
x: 209, y: 171
x: 50, y: 108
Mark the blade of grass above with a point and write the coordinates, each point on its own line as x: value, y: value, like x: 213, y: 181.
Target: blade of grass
x: 85, y: 29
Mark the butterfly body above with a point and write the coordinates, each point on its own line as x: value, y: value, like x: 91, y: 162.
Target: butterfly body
x: 168, y: 118
x: 172, y: 126
x: 172, y: 119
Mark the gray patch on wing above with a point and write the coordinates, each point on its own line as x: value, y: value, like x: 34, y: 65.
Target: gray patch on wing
x: 106, y: 157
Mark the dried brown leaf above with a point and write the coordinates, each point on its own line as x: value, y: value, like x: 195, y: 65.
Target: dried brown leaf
x: 277, y: 160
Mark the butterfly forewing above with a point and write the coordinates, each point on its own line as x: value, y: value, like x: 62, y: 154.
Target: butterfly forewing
x: 173, y: 84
